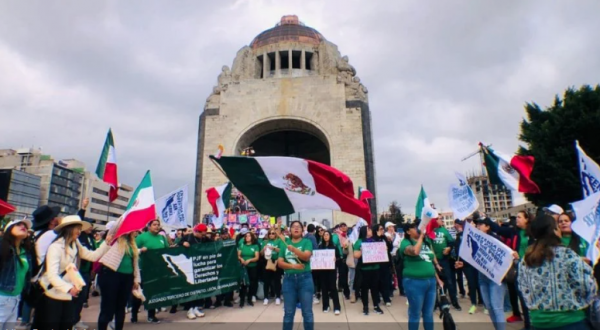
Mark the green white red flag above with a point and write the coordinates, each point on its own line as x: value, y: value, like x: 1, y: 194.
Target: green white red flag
x: 280, y: 186
x: 514, y: 172
x: 218, y: 198
x: 107, y: 166
x: 140, y: 210
x: 364, y: 194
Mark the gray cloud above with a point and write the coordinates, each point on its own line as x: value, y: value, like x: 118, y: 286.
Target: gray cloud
x: 442, y: 76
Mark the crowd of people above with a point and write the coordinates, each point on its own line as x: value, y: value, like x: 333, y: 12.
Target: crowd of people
x: 550, y: 286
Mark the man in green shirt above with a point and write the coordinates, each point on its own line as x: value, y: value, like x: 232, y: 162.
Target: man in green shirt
x: 442, y: 246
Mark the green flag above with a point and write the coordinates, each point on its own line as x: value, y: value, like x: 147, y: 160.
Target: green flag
x: 420, y: 203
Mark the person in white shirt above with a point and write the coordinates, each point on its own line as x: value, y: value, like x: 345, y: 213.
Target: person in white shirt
x: 45, y: 219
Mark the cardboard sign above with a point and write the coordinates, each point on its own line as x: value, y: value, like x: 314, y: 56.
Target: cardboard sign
x: 322, y: 259
x: 374, y: 252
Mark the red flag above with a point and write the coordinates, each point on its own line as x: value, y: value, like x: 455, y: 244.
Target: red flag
x: 431, y: 226
x: 6, y: 208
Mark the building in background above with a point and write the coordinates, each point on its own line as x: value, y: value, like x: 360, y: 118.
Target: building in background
x: 99, y: 211
x: 20, y: 189
x: 512, y: 211
x: 448, y: 218
x: 491, y: 198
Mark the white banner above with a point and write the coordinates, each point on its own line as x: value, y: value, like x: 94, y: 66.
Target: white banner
x: 589, y: 172
x: 487, y: 254
x: 374, y: 252
x: 322, y: 259
x: 462, y: 199
x: 354, y: 235
x: 587, y: 223
x: 172, y: 208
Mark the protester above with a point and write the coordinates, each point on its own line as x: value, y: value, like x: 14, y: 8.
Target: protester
x: 248, y: 255
x: 45, y: 219
x: 198, y: 236
x: 298, y: 286
x: 457, y: 272
x: 550, y: 267
x: 119, y: 275
x: 571, y: 239
x: 492, y: 293
x: 17, y: 260
x: 149, y: 240
x: 57, y: 310
x: 272, y: 279
x: 340, y: 239
x: 310, y: 235
x: 224, y: 299
x: 85, y: 269
x: 470, y: 272
x: 554, y: 211
x: 442, y: 247
x: 419, y: 277
x: 369, y: 273
x: 328, y: 277
x: 385, y: 268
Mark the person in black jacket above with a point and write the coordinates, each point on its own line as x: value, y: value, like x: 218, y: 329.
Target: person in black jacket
x: 385, y: 268
x: 194, y: 308
x: 328, y: 277
x: 470, y: 273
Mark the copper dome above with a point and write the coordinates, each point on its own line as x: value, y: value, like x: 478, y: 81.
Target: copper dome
x: 288, y: 29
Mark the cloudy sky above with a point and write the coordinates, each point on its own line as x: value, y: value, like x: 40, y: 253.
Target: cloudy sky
x: 442, y: 76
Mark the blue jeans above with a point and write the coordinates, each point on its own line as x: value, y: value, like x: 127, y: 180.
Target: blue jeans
x: 9, y: 308
x: 298, y: 288
x: 351, y: 275
x: 493, y: 298
x: 449, y: 279
x: 421, y: 295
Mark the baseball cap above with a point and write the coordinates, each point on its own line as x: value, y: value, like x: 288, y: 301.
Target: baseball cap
x: 263, y: 233
x: 110, y: 225
x: 554, y: 209
x: 389, y: 224
x: 459, y: 222
x: 201, y: 228
x: 484, y: 221
x: 243, y: 231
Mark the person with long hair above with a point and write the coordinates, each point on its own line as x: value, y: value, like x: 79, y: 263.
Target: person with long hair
x: 571, y: 239
x: 369, y: 273
x: 248, y: 254
x: 17, y: 260
x: 328, y: 276
x: 385, y: 268
x: 57, y: 309
x: 519, y: 239
x: 549, y: 267
x: 119, y: 275
x: 294, y: 259
x: 419, y: 276
x: 272, y: 280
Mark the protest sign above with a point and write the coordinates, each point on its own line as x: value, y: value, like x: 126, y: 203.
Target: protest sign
x: 172, y: 208
x: 232, y: 218
x: 322, y: 259
x: 253, y: 219
x: 589, y: 172
x: 587, y: 223
x: 462, y: 199
x: 374, y: 252
x: 487, y: 254
x: 242, y: 218
x: 177, y: 275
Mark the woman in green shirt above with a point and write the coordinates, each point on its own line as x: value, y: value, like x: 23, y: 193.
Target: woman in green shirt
x: 570, y: 239
x: 298, y: 286
x: 419, y: 277
x: 248, y: 255
x: 15, y: 270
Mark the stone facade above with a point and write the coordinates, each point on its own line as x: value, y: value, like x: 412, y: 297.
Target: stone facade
x: 317, y: 93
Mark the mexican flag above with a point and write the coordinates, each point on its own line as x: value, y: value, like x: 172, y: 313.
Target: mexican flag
x: 107, y: 166
x: 364, y: 194
x: 426, y: 213
x: 219, y: 197
x: 513, y: 172
x: 140, y: 210
x: 280, y: 186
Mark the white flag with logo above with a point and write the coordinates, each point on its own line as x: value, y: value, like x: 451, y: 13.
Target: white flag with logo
x: 587, y: 223
x: 172, y: 208
x: 462, y: 199
x: 487, y: 254
x: 589, y: 172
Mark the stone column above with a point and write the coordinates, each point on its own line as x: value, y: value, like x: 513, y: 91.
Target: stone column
x: 277, y: 64
x: 290, y: 62
x: 266, y: 65
x: 303, y: 61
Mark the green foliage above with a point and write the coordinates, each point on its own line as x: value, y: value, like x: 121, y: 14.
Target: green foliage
x: 550, y: 135
x: 394, y: 215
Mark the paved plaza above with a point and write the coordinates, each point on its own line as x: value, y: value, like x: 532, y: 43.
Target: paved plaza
x: 262, y: 317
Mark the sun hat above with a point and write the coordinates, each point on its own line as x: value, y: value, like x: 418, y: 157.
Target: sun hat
x: 17, y: 221
x: 72, y: 220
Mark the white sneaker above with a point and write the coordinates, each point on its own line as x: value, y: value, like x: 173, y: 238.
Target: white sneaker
x: 486, y: 312
x: 191, y: 315
x: 198, y: 312
x: 388, y: 304
x: 315, y: 300
x: 163, y: 309
x: 127, y: 310
x: 326, y: 310
x: 277, y: 301
x: 266, y: 302
x: 253, y: 299
x: 80, y: 325
x: 112, y: 324
x: 337, y: 312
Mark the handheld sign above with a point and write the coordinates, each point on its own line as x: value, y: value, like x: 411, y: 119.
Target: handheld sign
x: 322, y: 260
x: 374, y: 252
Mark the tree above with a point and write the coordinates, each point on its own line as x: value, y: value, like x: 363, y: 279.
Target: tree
x: 550, y: 136
x: 396, y: 215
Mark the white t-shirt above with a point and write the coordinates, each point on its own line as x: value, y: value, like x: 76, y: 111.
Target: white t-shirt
x: 43, y: 243
x: 396, y: 240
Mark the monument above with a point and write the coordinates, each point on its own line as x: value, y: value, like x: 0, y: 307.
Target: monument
x: 288, y: 93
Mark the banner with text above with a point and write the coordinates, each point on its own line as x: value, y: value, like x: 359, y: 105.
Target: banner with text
x: 587, y: 223
x: 322, y: 259
x: 172, y: 208
x: 374, y: 252
x: 178, y: 275
x: 487, y: 254
x: 462, y: 199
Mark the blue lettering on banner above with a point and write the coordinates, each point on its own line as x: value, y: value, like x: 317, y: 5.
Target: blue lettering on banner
x: 174, y: 206
x: 485, y: 252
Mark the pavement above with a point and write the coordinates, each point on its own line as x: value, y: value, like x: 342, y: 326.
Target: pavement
x: 269, y: 317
